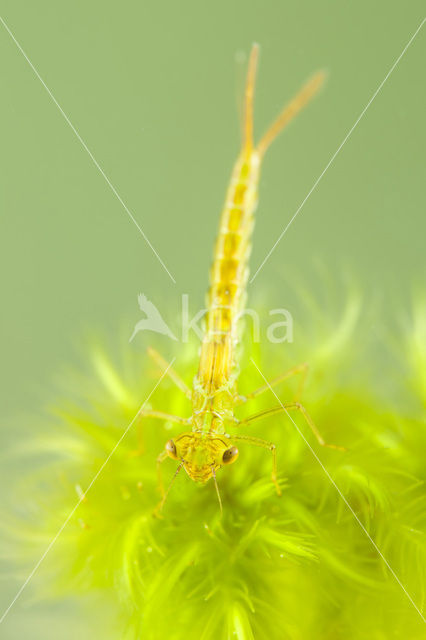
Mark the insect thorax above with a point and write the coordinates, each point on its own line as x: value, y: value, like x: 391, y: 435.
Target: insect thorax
x: 212, y: 409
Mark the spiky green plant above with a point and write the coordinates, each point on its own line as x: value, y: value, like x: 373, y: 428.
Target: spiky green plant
x: 296, y: 567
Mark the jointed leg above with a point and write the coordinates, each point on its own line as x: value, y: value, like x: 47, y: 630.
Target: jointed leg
x: 164, y: 366
x: 258, y: 442
x: 160, y: 459
x: 158, y: 509
x: 286, y: 408
x: 160, y: 415
x: 301, y: 369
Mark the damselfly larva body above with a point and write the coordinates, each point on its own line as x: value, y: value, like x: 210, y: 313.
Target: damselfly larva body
x: 206, y: 446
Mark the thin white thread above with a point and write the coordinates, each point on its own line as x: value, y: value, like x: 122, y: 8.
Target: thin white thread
x: 86, y: 148
x: 339, y: 148
x: 83, y: 495
x: 343, y: 497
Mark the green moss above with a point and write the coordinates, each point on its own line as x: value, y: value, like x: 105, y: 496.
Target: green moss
x: 296, y: 567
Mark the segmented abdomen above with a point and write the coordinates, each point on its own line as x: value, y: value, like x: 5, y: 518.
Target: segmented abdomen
x: 228, y: 278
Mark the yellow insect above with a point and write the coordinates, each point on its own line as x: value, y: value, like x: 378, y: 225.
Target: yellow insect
x: 206, y: 446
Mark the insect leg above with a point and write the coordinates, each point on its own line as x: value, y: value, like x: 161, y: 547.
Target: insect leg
x: 290, y: 407
x: 161, y: 415
x: 151, y: 413
x: 164, y: 366
x: 258, y: 442
x: 160, y: 459
x: 301, y: 369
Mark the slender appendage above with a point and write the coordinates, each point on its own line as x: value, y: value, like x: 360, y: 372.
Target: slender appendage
x: 285, y: 408
x: 171, y: 373
x: 161, y: 415
x: 158, y: 415
x: 217, y: 491
x: 229, y: 273
x: 258, y: 442
x: 291, y: 110
x: 160, y: 460
x: 301, y: 369
x: 158, y: 509
x: 249, y: 98
x: 214, y: 395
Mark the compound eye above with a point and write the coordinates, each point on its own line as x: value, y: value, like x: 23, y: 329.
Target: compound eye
x: 230, y: 455
x: 171, y: 449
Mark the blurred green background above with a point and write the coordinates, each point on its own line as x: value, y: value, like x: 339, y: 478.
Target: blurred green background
x: 152, y: 89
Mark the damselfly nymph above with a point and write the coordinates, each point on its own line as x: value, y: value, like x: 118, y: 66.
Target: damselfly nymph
x: 206, y: 445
